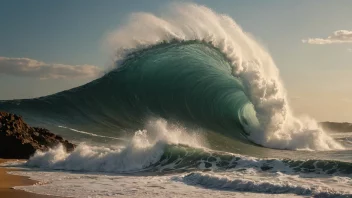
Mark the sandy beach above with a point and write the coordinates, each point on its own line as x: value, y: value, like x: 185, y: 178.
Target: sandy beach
x: 7, y: 182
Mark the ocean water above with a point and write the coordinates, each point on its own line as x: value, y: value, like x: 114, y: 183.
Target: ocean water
x: 193, y: 106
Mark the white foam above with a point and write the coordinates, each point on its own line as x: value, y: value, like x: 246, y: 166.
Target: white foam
x: 229, y: 184
x: 276, y: 127
x: 136, y: 155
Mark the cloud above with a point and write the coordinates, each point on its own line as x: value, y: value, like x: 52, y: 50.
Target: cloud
x: 26, y: 67
x: 339, y: 36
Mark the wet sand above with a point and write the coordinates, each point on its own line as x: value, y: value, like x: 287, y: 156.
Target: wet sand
x: 8, y: 181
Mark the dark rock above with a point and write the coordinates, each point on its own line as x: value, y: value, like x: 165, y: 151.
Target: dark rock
x: 19, y: 140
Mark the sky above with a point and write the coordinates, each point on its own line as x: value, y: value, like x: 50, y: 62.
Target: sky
x: 50, y: 46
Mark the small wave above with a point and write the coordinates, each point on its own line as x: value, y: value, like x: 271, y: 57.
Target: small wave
x: 217, y: 182
x: 135, y: 157
x: 139, y: 154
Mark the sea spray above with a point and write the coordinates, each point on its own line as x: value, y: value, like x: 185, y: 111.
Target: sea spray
x: 166, y: 147
x: 276, y: 126
x: 139, y: 154
x: 200, y: 69
x: 190, y: 65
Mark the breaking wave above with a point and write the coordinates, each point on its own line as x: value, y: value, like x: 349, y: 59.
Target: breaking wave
x: 190, y: 69
x: 191, y: 66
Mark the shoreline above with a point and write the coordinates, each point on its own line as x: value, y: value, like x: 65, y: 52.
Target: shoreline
x: 8, y: 181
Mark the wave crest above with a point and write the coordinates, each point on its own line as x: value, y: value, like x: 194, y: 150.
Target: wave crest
x: 275, y: 127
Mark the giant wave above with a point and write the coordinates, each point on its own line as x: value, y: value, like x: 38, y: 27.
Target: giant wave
x: 183, y: 86
x: 191, y: 66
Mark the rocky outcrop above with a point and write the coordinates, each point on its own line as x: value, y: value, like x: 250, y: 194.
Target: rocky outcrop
x: 19, y: 140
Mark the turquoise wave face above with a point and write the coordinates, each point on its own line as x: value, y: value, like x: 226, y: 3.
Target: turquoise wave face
x: 190, y: 82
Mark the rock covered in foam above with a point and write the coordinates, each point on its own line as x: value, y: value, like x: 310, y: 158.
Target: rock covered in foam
x: 19, y: 140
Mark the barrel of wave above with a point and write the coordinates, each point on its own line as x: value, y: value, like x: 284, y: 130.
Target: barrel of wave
x: 276, y: 127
